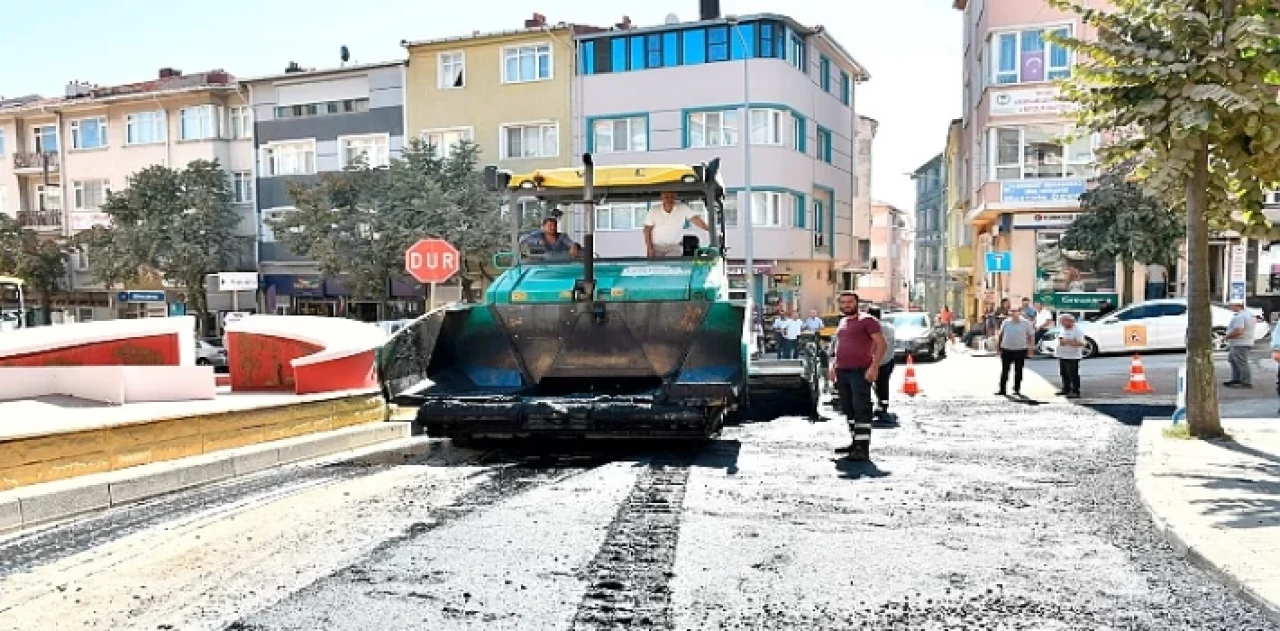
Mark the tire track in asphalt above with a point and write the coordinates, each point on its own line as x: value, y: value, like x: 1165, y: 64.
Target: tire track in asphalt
x: 628, y: 580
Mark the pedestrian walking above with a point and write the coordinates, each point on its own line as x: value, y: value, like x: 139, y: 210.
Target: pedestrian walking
x: 1157, y: 281
x: 1069, y: 353
x: 1275, y: 355
x: 1016, y: 342
x: 1239, y: 341
x: 858, y: 348
x: 886, y: 366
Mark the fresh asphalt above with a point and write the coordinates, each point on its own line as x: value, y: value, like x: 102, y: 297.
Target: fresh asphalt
x: 978, y: 512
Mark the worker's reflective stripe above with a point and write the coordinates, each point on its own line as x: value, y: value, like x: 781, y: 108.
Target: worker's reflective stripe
x: 862, y: 437
x: 866, y: 426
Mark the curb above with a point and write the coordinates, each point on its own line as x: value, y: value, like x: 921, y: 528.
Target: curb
x: 1149, y: 433
x: 37, y: 504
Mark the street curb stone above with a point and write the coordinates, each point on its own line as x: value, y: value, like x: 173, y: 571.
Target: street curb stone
x: 37, y: 504
x: 1154, y: 498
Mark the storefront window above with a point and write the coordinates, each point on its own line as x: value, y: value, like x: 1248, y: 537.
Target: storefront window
x: 1039, y: 152
x: 1059, y: 270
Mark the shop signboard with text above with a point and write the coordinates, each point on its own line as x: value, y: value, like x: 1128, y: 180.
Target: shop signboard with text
x: 1042, y: 221
x: 1029, y: 102
x: 1076, y: 300
x: 1047, y: 191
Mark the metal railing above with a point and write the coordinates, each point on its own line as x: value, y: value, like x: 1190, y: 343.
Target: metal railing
x: 40, y: 219
x: 35, y: 160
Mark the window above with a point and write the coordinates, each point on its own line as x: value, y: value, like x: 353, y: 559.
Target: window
x: 713, y: 129
x: 621, y: 216
x: 289, y: 158
x: 273, y: 214
x: 1038, y: 152
x: 89, y: 194
x: 49, y: 197
x: 765, y: 39
x: 324, y: 108
x: 452, y: 71
x: 824, y: 73
x: 1270, y: 197
x: 444, y: 140
x: 144, y: 128
x: 846, y: 88
x: 82, y: 265
x: 45, y: 138
x: 197, y: 123
x: 767, y: 208
x: 1, y: 142
x: 521, y: 64
x: 534, y: 140
x: 240, y: 122
x: 620, y: 135
x: 4, y: 201
x: 824, y: 144
x: 89, y: 133
x: 819, y: 220
x: 800, y: 133
x: 372, y: 148
x: 718, y: 43
x: 798, y: 52
x: 1025, y: 57
x: 695, y: 46
x: 241, y: 187
x: 768, y: 127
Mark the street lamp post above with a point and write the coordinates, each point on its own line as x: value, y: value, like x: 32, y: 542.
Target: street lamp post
x: 744, y: 136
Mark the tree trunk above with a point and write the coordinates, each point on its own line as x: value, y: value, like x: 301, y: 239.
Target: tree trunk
x: 1202, y: 389
x: 46, y: 306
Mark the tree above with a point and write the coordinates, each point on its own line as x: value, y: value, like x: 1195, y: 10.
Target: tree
x: 42, y: 263
x: 1119, y: 221
x: 177, y: 223
x: 1184, y: 86
x: 358, y: 223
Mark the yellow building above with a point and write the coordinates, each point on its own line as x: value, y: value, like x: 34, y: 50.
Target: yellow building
x: 961, y: 293
x: 509, y: 92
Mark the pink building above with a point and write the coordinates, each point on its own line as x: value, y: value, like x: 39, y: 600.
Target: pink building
x: 888, y: 281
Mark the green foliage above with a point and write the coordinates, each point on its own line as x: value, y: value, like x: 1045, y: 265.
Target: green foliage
x: 42, y: 263
x: 358, y: 223
x: 1162, y: 78
x: 178, y: 223
x: 1120, y: 221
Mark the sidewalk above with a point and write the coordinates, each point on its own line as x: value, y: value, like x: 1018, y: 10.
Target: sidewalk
x: 1219, y: 502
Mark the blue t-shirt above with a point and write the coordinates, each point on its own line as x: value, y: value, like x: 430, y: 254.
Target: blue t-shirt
x: 537, y: 243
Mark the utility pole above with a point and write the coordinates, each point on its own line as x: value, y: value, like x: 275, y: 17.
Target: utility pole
x: 744, y: 137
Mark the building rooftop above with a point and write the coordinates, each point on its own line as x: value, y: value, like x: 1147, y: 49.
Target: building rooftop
x: 536, y: 24
x: 168, y: 81
x: 294, y: 71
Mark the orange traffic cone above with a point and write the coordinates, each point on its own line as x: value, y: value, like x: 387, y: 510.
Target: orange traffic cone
x: 909, y: 386
x: 1138, y: 378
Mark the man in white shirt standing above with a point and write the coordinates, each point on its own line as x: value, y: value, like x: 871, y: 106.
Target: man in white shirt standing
x: 1157, y: 281
x: 1239, y: 341
x: 1069, y: 352
x: 664, y: 227
x: 790, y: 326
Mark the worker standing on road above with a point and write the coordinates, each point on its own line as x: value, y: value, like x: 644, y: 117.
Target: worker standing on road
x: 1016, y: 342
x: 886, y: 367
x: 1069, y: 352
x: 1239, y: 341
x: 858, y: 348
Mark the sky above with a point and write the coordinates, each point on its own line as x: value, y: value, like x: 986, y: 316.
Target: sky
x: 912, y: 48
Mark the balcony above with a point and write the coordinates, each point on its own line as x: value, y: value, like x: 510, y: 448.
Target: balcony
x: 34, y: 162
x: 49, y: 219
x: 959, y: 258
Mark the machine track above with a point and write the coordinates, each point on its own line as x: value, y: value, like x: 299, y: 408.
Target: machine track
x: 628, y: 579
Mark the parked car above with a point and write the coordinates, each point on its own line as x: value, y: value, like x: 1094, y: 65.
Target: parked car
x: 209, y: 355
x: 1157, y: 325
x: 915, y: 333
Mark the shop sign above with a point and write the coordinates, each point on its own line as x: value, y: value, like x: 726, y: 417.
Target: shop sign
x: 741, y: 270
x: 86, y: 221
x: 1076, y: 300
x: 1029, y: 101
x: 308, y: 286
x: 237, y: 281
x: 1032, y: 221
x: 140, y: 296
x: 1041, y: 191
x: 177, y: 309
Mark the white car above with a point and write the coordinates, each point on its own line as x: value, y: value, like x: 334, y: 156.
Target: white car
x: 209, y: 355
x: 1151, y: 325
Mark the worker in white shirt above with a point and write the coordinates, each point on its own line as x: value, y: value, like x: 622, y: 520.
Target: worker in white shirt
x: 813, y: 323
x: 1044, y: 321
x: 790, y: 326
x: 664, y: 227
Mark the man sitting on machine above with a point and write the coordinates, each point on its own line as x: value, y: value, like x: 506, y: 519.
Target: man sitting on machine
x: 664, y: 227
x: 549, y: 243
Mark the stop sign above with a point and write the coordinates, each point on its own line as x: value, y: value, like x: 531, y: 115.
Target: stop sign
x: 432, y: 261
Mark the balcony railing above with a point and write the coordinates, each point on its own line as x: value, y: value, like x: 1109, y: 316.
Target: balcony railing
x: 36, y: 219
x: 30, y: 160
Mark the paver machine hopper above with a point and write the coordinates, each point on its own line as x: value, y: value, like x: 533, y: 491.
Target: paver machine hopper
x: 594, y: 346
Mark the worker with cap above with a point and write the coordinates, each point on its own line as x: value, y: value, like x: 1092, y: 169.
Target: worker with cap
x: 1239, y: 341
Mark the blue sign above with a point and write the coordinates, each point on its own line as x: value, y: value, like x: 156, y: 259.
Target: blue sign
x: 1237, y: 290
x: 1035, y: 191
x: 140, y: 296
x: 177, y: 309
x: 999, y: 262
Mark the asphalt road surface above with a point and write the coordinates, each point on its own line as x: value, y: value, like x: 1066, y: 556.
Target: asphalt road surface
x: 1104, y: 379
x: 977, y: 513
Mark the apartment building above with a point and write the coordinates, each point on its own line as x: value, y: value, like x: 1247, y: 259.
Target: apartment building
x: 863, y: 219
x: 309, y: 122
x: 60, y: 156
x: 675, y: 93
x: 887, y: 281
x: 930, y: 234
x: 959, y: 236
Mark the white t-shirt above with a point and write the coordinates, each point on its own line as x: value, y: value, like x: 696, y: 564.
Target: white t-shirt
x: 668, y: 227
x: 1070, y: 352
x: 1043, y: 317
x: 791, y: 328
x: 1156, y: 274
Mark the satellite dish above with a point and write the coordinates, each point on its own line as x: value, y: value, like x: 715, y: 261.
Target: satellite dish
x: 345, y: 54
x: 672, y: 18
